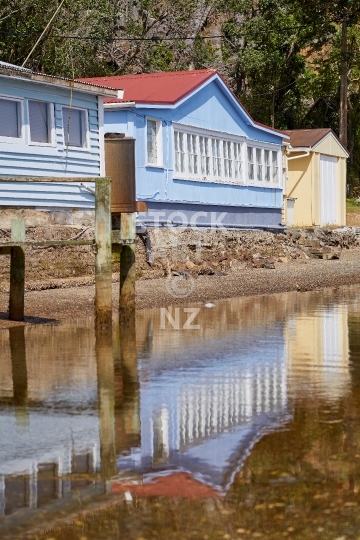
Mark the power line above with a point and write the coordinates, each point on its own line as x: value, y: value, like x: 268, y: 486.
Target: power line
x: 153, y: 38
x: 274, y: 91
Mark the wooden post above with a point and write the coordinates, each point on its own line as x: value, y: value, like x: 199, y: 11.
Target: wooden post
x: 17, y: 272
x: 127, y: 267
x: 103, y: 281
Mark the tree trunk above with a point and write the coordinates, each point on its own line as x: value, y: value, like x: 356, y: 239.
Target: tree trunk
x: 343, y: 86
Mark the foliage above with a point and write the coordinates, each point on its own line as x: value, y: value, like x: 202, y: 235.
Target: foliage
x: 282, y: 58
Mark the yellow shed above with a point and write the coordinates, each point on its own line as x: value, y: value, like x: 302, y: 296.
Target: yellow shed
x: 315, y: 179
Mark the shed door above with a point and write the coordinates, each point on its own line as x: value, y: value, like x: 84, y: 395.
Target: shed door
x: 328, y: 191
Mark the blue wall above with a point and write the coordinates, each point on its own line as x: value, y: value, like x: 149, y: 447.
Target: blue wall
x: 18, y: 159
x: 210, y: 108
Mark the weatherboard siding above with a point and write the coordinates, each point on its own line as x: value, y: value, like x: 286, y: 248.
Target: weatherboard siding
x: 22, y: 159
x: 209, y: 108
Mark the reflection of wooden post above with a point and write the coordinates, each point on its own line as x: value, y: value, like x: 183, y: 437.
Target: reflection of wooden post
x: 127, y: 267
x: 105, y: 374
x: 19, y: 374
x: 103, y: 281
x: 17, y: 272
x: 131, y: 391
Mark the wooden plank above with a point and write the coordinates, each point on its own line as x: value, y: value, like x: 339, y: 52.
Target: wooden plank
x: 127, y: 268
x: 59, y: 179
x: 17, y: 272
x: 48, y: 243
x: 103, y: 258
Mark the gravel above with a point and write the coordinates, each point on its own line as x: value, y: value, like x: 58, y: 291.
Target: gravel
x: 75, y: 298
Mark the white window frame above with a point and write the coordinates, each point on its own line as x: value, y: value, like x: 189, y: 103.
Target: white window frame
x: 258, y: 145
x: 21, y: 139
x: 51, y: 109
x: 210, y: 136
x: 87, y: 135
x: 159, y: 144
x: 224, y: 138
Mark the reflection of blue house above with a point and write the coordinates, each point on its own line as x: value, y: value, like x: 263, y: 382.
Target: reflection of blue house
x: 199, y: 154
x: 202, y: 410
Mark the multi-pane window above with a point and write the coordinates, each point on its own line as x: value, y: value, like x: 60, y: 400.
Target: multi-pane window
x: 216, y: 159
x: 40, y: 121
x: 227, y: 159
x: 192, y: 154
x: 267, y: 165
x: 204, y: 147
x: 180, y: 151
x: 250, y: 155
x: 275, y: 167
x: 259, y: 165
x: 10, y: 114
x: 75, y: 127
x: 216, y: 156
x: 237, y: 161
x: 151, y: 139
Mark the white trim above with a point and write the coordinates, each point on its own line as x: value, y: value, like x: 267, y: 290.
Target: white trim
x: 51, y: 107
x: 87, y: 134
x: 211, y: 138
x: 336, y: 140
x: 101, y: 135
x: 159, y: 144
x: 121, y: 105
x: 21, y: 126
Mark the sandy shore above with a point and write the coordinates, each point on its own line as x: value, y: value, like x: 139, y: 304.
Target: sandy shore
x: 76, y: 299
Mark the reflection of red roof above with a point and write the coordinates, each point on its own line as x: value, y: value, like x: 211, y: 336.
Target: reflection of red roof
x: 164, y: 88
x: 173, y: 485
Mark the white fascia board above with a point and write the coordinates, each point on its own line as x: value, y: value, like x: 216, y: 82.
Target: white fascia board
x: 121, y: 105
x: 330, y: 134
x: 299, y: 149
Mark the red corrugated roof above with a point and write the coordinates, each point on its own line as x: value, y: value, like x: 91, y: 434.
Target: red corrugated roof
x: 164, y: 88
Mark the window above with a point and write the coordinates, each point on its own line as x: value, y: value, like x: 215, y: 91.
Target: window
x: 259, y: 165
x: 200, y: 155
x: 179, y: 151
x: 267, y: 165
x: 216, y: 154
x: 237, y: 161
x: 153, y: 142
x: 275, y: 165
x: 75, y: 127
x: 192, y: 154
x: 40, y: 121
x: 10, y: 114
x: 204, y: 145
x: 227, y: 159
x: 250, y: 154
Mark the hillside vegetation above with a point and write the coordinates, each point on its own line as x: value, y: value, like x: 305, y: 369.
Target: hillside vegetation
x: 283, y: 58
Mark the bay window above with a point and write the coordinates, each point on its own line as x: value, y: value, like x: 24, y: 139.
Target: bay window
x: 201, y: 155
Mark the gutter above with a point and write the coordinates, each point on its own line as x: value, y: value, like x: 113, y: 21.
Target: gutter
x: 307, y: 153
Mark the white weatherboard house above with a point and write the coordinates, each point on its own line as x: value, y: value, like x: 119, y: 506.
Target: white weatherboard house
x: 199, y: 154
x: 49, y: 126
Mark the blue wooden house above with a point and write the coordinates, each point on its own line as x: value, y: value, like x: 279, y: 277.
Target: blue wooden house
x: 200, y: 157
x: 49, y: 126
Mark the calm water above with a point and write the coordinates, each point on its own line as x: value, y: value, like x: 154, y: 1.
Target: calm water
x: 245, y: 426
